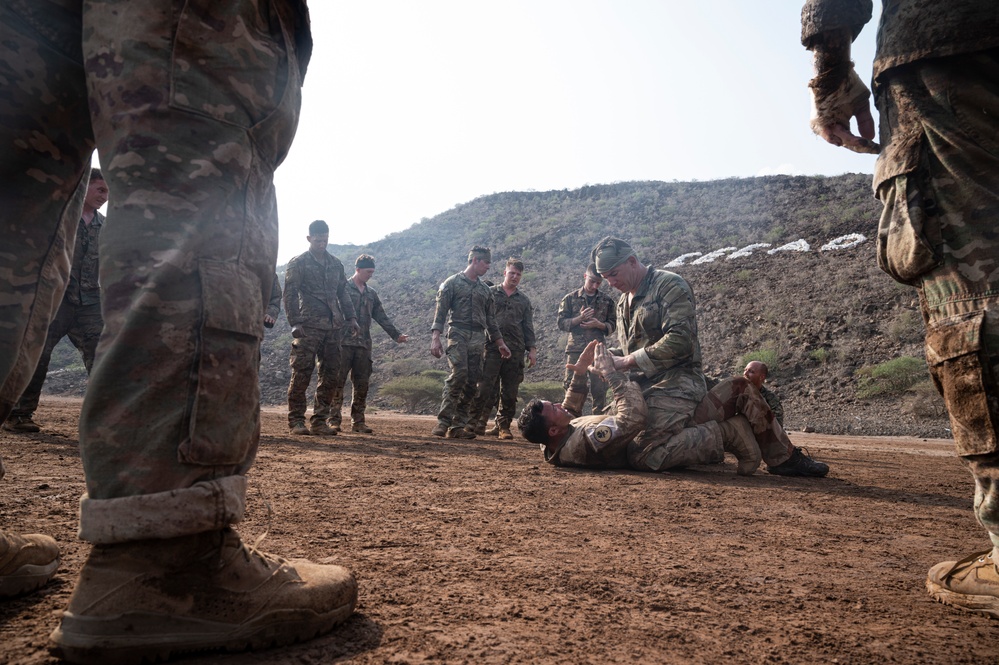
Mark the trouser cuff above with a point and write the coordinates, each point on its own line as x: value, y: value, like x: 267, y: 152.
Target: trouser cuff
x: 206, y: 506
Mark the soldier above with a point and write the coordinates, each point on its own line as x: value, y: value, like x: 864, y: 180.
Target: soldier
x: 587, y: 315
x: 466, y: 304
x: 318, y: 307
x: 274, y: 304
x: 603, y: 441
x: 189, y: 137
x: 658, y: 346
x: 79, y: 315
x: 355, y: 351
x: 756, y: 372
x: 936, y: 85
x: 504, y: 375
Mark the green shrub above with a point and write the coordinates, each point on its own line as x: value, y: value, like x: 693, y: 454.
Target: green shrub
x: 744, y: 275
x: 415, y: 394
x: 893, y: 377
x: 820, y: 355
x: 906, y: 327
x: 767, y: 356
x: 547, y: 390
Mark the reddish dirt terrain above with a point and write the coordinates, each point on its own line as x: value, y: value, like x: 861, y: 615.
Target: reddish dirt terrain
x: 479, y: 552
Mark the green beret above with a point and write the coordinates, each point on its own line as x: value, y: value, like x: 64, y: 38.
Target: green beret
x: 610, y: 253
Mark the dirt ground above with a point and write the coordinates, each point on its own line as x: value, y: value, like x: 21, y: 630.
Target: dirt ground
x: 479, y: 552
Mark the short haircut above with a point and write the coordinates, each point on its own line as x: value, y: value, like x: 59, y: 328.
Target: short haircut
x: 364, y: 261
x: 481, y: 252
x: 95, y: 174
x: 532, y: 423
x: 516, y: 263
x: 766, y: 370
x: 318, y: 227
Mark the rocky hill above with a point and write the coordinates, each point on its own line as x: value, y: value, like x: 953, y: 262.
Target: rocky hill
x: 821, y: 315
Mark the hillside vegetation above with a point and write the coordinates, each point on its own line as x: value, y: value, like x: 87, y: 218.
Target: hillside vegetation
x: 821, y: 315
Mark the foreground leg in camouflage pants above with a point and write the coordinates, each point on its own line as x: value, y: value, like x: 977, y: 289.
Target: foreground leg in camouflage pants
x: 191, y: 111
x: 938, y: 179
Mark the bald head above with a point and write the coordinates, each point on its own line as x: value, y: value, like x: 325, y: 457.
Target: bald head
x: 756, y: 372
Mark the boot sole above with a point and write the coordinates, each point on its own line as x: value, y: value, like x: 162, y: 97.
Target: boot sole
x: 988, y: 605
x: 26, y: 579
x: 145, y: 637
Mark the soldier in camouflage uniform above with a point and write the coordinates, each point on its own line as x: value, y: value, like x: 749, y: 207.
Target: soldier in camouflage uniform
x: 274, y: 304
x: 658, y: 346
x: 320, y: 311
x: 587, y: 315
x: 79, y: 315
x: 936, y: 86
x: 466, y: 305
x: 515, y: 319
x: 603, y: 441
x: 191, y: 111
x: 355, y: 351
x: 756, y: 372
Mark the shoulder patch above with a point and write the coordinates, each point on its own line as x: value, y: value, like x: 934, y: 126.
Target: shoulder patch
x: 602, y: 433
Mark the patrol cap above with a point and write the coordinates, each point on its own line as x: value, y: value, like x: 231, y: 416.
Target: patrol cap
x: 610, y: 253
x: 364, y: 261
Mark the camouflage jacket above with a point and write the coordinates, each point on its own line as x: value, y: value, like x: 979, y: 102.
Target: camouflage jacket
x: 600, y: 441
x: 774, y: 403
x: 515, y: 319
x: 274, y: 304
x: 315, y: 293
x: 368, y: 306
x: 574, y: 303
x: 466, y: 304
x: 910, y: 30
x: 84, y: 287
x: 659, y: 328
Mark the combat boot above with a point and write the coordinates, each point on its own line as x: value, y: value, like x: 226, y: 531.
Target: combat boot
x: 334, y: 426
x: 800, y: 464
x: 492, y: 431
x: 153, y: 599
x: 320, y: 428
x: 505, y: 434
x: 26, y: 562
x: 478, y: 429
x: 460, y: 433
x: 738, y: 439
x: 21, y: 425
x: 362, y: 428
x: 440, y: 430
x: 971, y: 584
x: 299, y: 428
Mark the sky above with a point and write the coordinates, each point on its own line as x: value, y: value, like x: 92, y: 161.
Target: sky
x: 411, y: 108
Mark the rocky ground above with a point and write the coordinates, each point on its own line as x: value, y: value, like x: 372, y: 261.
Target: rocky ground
x: 479, y: 552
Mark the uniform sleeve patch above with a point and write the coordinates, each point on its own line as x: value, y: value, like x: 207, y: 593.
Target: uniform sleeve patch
x: 602, y: 433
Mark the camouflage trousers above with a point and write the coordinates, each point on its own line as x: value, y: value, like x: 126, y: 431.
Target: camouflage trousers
x: 735, y: 396
x: 317, y: 348
x: 671, y: 439
x: 938, y: 178
x: 189, y: 137
x: 500, y: 380
x: 464, y: 355
x: 597, y: 385
x: 83, y: 324
x: 355, y: 361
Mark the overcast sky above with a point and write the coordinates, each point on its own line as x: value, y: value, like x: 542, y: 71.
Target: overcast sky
x: 411, y: 108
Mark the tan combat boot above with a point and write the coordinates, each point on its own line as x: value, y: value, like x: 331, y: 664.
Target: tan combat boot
x: 738, y: 439
x: 361, y: 428
x: 971, y: 584
x: 320, y: 428
x: 299, y: 428
x: 153, y: 599
x: 439, y: 430
x: 26, y: 562
x: 492, y: 431
x: 505, y: 433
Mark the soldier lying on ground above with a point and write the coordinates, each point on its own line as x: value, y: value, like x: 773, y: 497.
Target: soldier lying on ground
x: 602, y: 441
